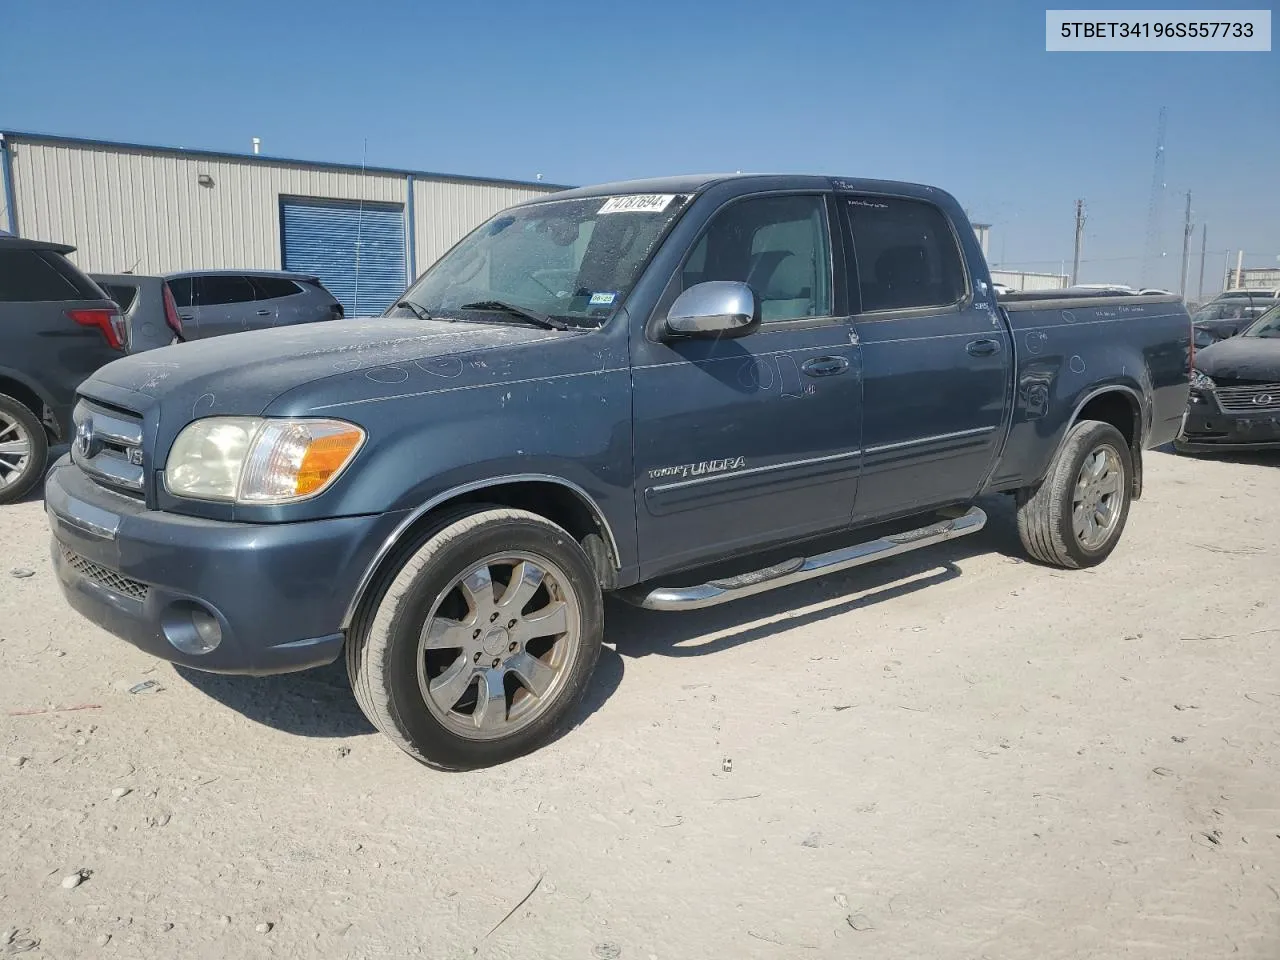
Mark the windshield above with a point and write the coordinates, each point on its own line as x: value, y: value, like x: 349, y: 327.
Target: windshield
x: 1267, y: 325
x: 575, y: 260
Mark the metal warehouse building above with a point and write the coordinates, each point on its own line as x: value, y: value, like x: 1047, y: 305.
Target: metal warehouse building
x: 152, y: 210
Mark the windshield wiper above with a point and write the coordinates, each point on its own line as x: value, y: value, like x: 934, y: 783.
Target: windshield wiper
x: 418, y: 309
x: 533, y: 316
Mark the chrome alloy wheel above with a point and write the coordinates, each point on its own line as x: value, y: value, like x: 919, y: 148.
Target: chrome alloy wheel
x: 15, y: 450
x: 498, y: 644
x: 1097, y: 501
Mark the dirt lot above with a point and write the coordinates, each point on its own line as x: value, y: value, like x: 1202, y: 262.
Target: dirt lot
x: 954, y: 755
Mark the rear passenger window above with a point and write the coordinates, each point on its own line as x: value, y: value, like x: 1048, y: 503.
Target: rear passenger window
x: 273, y: 288
x: 27, y: 277
x: 906, y: 254
x: 778, y: 246
x: 217, y: 289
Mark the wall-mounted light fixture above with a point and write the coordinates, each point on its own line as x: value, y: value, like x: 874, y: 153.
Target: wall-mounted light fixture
x: 204, y: 180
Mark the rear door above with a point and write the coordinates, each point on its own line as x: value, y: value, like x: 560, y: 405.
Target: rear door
x: 279, y: 302
x: 935, y: 359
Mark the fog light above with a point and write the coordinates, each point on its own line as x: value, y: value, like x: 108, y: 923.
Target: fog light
x: 192, y: 629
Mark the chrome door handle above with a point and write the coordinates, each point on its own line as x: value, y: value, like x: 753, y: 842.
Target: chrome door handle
x: 825, y: 366
x: 264, y: 313
x: 982, y: 348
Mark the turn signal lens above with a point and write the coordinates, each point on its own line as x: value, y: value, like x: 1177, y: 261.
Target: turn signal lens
x: 292, y: 459
x: 324, y: 458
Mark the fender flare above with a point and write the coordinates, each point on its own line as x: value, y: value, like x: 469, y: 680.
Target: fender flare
x: 440, y: 499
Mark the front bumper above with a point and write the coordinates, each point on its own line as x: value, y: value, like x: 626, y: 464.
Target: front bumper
x: 278, y: 592
x: 1213, y: 429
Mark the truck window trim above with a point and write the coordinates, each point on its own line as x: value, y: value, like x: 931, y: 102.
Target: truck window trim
x: 854, y: 277
x: 836, y: 246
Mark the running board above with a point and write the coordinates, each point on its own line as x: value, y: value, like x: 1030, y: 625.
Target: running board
x: 805, y: 568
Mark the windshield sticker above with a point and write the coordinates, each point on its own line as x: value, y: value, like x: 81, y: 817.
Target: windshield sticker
x: 603, y: 299
x: 638, y: 203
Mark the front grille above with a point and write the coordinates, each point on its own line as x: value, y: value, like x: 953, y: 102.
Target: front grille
x: 107, y: 445
x: 1259, y: 396
x: 108, y: 578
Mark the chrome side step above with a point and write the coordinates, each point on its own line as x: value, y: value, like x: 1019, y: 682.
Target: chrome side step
x: 805, y: 568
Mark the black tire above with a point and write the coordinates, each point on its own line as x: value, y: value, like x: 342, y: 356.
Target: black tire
x: 382, y: 649
x: 15, y: 486
x: 1045, y: 512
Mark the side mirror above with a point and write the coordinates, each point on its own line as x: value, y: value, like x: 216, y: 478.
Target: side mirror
x: 716, y: 308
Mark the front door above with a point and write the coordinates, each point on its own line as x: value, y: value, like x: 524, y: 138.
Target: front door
x: 936, y: 359
x: 744, y: 442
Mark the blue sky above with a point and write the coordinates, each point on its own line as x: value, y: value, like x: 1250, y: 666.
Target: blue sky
x: 961, y: 95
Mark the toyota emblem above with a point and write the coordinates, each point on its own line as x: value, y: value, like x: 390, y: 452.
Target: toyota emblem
x: 1263, y: 399
x: 84, y: 438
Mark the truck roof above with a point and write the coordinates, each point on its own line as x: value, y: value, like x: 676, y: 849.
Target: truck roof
x: 696, y: 183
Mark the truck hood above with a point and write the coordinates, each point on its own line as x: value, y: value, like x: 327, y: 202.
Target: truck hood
x: 243, y: 372
x: 1242, y: 358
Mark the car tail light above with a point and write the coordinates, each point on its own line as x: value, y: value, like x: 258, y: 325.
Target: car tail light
x: 108, y: 321
x: 171, y: 317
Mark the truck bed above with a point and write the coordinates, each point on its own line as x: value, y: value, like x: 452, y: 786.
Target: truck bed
x: 1071, y: 347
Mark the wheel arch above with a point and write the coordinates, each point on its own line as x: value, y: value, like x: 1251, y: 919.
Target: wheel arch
x: 30, y: 395
x: 559, y: 500
x: 1121, y: 406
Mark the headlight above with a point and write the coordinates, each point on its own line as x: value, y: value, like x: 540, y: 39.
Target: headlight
x: 257, y: 460
x: 1200, y: 382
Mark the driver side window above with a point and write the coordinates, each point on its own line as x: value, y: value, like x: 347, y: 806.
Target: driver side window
x: 779, y: 246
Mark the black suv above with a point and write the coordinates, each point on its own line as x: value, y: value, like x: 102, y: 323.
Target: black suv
x: 57, y: 326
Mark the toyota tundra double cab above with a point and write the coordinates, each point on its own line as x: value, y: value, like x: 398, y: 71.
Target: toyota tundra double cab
x: 681, y: 391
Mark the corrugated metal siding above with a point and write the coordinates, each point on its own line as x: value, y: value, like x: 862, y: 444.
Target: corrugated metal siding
x: 357, y: 250
x: 133, y: 210
x: 446, y: 211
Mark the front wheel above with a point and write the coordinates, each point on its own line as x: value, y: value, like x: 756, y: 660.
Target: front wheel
x: 1075, y: 517
x: 483, y: 643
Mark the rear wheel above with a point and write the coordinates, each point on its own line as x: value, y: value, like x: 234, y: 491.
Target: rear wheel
x: 1077, y: 514
x: 24, y: 449
x: 483, y: 642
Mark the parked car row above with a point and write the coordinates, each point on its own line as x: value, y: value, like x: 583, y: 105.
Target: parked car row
x: 1234, y: 402
x: 61, y: 324
x: 1229, y: 313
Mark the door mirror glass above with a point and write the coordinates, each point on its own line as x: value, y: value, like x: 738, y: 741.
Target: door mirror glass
x: 716, y: 308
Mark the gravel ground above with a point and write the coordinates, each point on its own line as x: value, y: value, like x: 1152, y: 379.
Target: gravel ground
x: 957, y: 754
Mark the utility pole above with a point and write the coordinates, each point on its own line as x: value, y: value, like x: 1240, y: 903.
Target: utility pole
x: 1075, y: 263
x: 1186, y: 248
x: 1204, y: 230
x: 1239, y: 269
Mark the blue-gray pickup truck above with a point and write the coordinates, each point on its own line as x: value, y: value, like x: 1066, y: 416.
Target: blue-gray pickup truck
x: 681, y: 391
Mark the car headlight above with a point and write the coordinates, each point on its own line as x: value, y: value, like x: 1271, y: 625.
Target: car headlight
x: 1200, y: 382
x: 259, y: 460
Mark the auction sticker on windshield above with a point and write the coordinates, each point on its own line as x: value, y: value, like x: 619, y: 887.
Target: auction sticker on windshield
x: 638, y: 203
